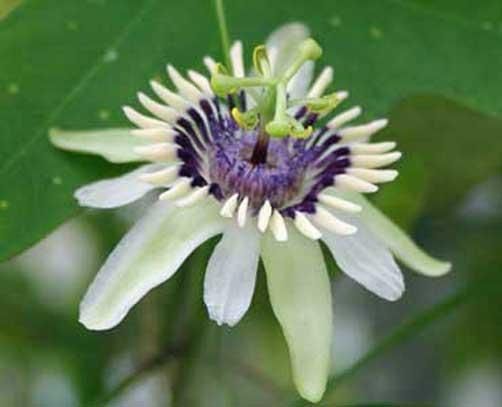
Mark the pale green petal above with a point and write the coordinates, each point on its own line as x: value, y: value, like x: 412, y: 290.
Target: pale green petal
x: 398, y: 241
x: 147, y: 256
x: 115, y: 145
x: 300, y: 295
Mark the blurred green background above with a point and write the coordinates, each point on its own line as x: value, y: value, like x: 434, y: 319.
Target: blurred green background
x: 433, y: 67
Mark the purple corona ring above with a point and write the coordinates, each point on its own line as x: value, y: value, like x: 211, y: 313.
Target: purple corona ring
x: 250, y: 172
x: 263, y: 161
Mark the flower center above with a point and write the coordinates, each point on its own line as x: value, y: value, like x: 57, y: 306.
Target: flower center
x: 279, y: 179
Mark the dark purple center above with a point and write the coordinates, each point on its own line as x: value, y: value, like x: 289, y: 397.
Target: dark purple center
x: 279, y: 179
x: 290, y: 173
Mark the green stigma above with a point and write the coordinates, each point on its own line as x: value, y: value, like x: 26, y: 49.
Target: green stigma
x: 272, y: 104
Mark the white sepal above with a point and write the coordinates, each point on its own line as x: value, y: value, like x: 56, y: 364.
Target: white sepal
x: 231, y: 274
x: 147, y: 256
x: 116, y: 192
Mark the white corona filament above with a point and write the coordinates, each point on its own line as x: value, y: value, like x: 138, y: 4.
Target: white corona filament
x: 306, y: 227
x: 157, y: 151
x: 372, y: 148
x: 193, y: 197
x: 242, y: 212
x: 375, y: 161
x: 344, y: 117
x: 180, y: 188
x: 321, y: 83
x: 163, y: 112
x: 162, y: 177
x: 201, y: 81
x: 210, y: 64
x: 141, y: 120
x: 338, y: 203
x: 278, y: 227
x: 374, y: 176
x: 342, y: 95
x: 326, y: 219
x: 169, y: 97
x: 228, y: 208
x: 153, y: 134
x: 264, y: 216
x: 350, y: 183
x: 363, y: 131
x: 186, y: 88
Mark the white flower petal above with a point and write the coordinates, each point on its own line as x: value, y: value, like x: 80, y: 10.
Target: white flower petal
x: 363, y: 257
x: 282, y: 46
x: 399, y: 242
x: 300, y: 294
x: 147, y: 256
x: 115, y: 192
x: 231, y: 274
x: 115, y: 145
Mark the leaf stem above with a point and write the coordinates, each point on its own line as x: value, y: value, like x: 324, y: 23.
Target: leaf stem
x: 224, y: 37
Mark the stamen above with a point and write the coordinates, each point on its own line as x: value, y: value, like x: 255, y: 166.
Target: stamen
x: 374, y: 176
x: 306, y: 227
x: 161, y: 177
x: 338, y: 203
x: 163, y: 112
x: 141, y: 120
x: 375, y: 161
x: 321, y: 83
x: 309, y: 50
x: 329, y: 221
x: 179, y: 188
x: 155, y: 134
x: 278, y: 227
x: 228, y: 208
x: 242, y: 212
x: 351, y: 183
x: 193, y: 197
x: 157, y: 152
x: 264, y: 216
x: 365, y: 130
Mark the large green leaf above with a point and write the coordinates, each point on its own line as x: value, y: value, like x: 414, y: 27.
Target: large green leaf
x: 72, y: 63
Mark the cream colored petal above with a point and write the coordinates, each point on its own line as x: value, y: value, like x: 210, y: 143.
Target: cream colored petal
x: 300, y: 295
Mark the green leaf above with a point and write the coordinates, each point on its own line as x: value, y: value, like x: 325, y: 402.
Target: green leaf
x: 72, y: 64
x: 447, y: 149
x: 7, y: 6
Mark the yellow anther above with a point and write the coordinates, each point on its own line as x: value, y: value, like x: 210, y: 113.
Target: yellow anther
x: 247, y: 120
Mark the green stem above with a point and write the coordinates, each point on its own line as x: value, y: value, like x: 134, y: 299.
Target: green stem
x: 224, y: 37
